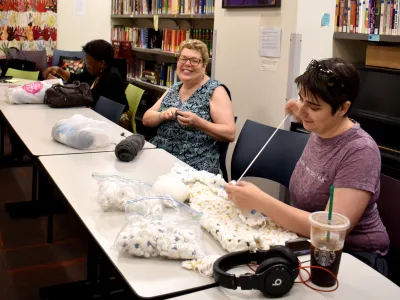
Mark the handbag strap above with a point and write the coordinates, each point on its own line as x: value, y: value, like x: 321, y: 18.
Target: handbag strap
x: 17, y: 50
x: 77, y: 84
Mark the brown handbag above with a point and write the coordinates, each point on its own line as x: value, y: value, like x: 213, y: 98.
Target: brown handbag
x: 69, y: 95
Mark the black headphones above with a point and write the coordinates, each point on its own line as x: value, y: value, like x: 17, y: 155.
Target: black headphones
x: 275, y: 275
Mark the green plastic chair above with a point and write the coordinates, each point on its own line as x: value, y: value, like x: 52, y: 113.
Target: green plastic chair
x: 133, y: 95
x: 30, y: 75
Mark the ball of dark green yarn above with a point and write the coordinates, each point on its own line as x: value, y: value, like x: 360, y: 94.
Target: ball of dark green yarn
x: 128, y: 148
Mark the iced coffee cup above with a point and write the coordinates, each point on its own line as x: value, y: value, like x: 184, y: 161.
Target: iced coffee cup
x: 327, y: 241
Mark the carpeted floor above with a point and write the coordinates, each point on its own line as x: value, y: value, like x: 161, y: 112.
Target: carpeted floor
x: 27, y: 262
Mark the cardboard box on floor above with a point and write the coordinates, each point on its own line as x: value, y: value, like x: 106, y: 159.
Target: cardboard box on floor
x: 383, y: 56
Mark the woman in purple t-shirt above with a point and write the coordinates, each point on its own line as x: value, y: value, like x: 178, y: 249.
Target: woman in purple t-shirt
x: 338, y: 153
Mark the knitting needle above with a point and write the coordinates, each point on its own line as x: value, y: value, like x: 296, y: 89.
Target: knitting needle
x: 283, y: 121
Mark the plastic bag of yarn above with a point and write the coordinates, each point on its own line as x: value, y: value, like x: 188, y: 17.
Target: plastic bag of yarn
x: 114, y: 191
x: 82, y: 133
x: 30, y: 93
x: 172, y: 233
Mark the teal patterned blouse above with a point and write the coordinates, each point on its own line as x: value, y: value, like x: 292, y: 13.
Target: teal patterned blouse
x: 190, y: 145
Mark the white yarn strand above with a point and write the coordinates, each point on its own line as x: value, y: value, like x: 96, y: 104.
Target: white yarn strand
x: 262, y: 149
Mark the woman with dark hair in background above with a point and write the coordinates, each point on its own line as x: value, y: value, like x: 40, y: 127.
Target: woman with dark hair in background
x: 104, y: 79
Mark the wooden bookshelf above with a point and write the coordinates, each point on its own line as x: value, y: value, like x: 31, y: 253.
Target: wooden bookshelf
x: 160, y: 52
x: 164, y: 16
x: 367, y: 37
x: 148, y: 85
x: 155, y: 51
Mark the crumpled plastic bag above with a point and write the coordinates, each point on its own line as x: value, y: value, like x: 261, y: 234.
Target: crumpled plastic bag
x: 30, y: 93
x: 82, y: 133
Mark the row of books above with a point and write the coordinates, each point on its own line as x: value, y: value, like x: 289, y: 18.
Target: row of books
x: 164, y: 39
x: 185, y: 7
x: 368, y: 16
x: 149, y: 71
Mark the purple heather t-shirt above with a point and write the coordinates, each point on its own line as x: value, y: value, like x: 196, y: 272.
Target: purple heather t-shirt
x: 349, y: 160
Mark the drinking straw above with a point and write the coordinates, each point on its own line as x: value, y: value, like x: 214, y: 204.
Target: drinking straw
x: 330, y: 210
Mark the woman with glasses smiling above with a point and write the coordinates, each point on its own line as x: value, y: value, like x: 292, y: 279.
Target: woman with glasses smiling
x: 194, y: 114
x: 338, y: 153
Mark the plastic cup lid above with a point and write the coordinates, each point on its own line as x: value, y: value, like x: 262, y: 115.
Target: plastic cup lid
x: 320, y: 219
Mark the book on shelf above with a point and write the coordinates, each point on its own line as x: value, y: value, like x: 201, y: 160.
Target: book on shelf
x: 368, y: 16
x: 173, y: 7
x: 164, y: 39
x: 151, y: 72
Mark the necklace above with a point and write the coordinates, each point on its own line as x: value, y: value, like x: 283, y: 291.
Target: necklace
x: 95, y: 82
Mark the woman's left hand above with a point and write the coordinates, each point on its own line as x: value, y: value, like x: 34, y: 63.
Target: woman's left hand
x: 187, y: 118
x: 245, y: 195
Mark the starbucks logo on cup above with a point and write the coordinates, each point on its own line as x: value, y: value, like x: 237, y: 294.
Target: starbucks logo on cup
x: 324, y: 257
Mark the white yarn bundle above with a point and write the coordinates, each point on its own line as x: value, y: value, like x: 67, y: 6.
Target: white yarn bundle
x: 113, y: 196
x: 222, y: 219
x: 172, y: 186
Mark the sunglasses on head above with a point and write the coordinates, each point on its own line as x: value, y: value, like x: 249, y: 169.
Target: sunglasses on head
x: 324, y: 74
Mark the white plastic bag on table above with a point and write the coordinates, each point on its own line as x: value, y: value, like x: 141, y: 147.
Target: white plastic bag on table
x: 114, y: 191
x: 82, y: 133
x: 30, y: 93
x: 154, y: 230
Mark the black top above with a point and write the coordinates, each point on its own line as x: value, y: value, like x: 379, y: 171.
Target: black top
x: 110, y: 85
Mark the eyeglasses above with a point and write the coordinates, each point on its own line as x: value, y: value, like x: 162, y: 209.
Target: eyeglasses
x: 324, y: 74
x: 193, y: 61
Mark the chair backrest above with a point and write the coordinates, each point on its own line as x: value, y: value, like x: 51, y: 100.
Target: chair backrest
x: 223, y: 146
x: 39, y: 57
x: 389, y: 208
x: 109, y: 109
x: 58, y: 53
x: 223, y: 150
x: 278, y: 159
x: 30, y: 75
x: 133, y: 95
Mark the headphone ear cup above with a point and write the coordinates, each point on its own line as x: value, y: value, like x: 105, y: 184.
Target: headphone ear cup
x: 288, y: 254
x: 265, y: 265
x: 270, y: 262
x: 277, y: 278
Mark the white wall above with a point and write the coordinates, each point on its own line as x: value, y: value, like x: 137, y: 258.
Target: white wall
x: 317, y: 41
x: 257, y: 95
x: 74, y: 31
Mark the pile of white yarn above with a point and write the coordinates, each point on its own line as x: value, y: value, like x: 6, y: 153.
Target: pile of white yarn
x: 233, y: 229
x: 115, y: 191
x: 203, y: 265
x: 153, y: 238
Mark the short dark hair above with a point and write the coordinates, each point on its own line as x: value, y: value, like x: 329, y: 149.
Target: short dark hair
x: 344, y: 86
x: 100, y: 50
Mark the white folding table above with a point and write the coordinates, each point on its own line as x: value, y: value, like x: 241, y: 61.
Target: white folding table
x: 149, y: 278
x: 72, y: 174
x: 33, y: 124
